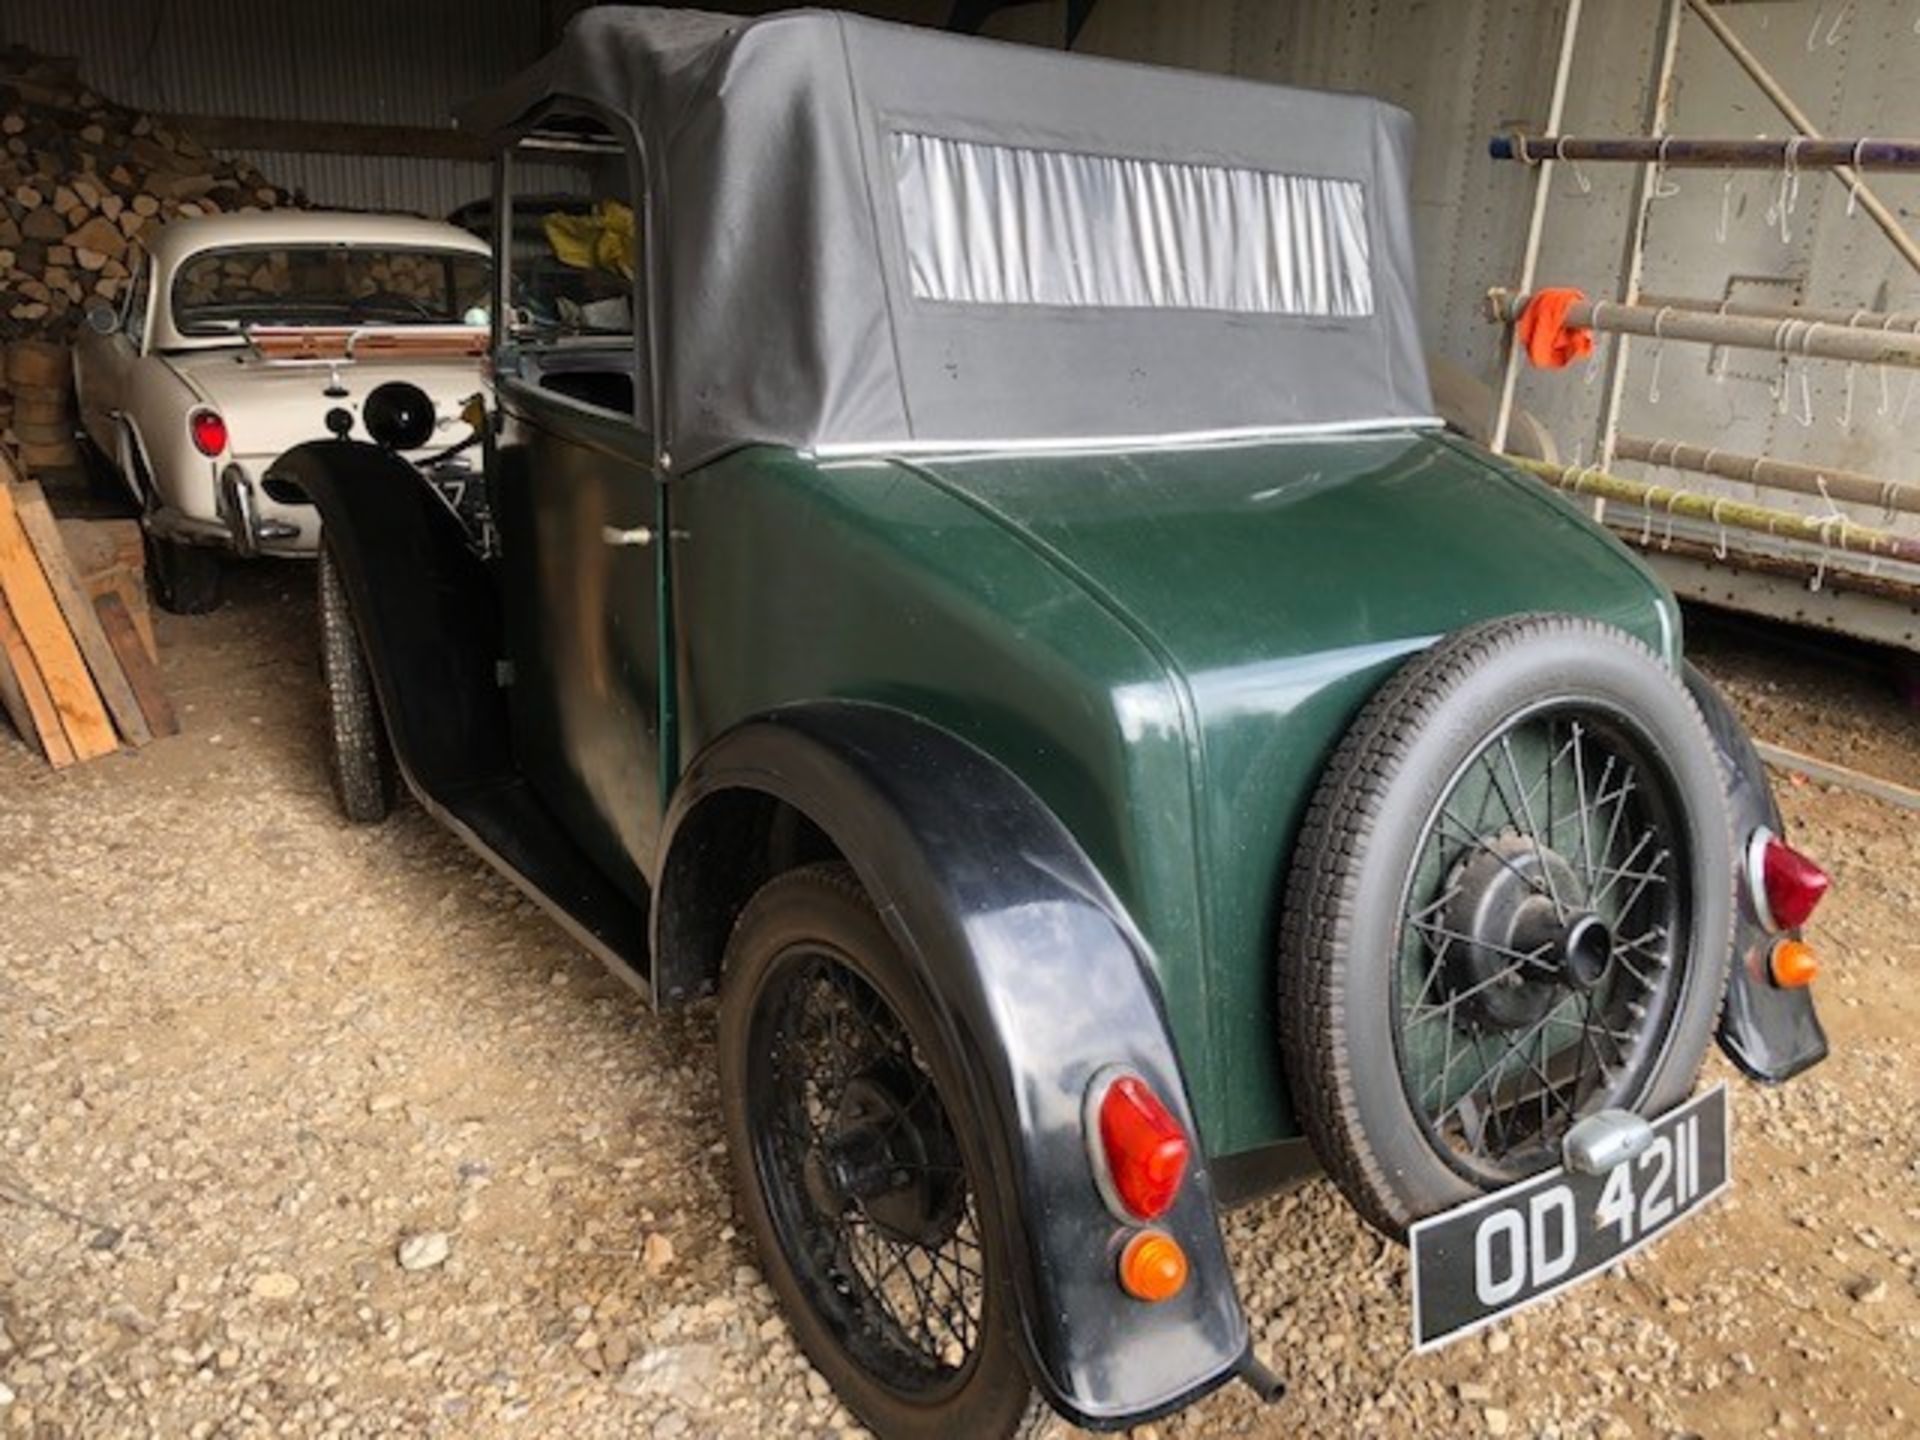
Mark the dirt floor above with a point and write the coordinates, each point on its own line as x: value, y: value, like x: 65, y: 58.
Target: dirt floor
x: 256, y: 1063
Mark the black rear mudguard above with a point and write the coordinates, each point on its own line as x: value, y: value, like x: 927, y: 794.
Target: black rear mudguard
x: 1039, y: 979
x: 1769, y: 1033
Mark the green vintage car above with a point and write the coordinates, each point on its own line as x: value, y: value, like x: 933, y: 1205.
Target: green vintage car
x: 988, y: 599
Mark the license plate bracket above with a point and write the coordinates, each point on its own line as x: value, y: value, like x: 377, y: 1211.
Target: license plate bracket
x: 1490, y: 1257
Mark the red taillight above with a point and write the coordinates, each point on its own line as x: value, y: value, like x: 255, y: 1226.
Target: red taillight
x: 209, y: 432
x: 1786, y: 884
x: 1144, y: 1147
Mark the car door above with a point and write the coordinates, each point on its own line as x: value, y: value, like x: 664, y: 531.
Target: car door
x: 577, y: 502
x: 106, y: 359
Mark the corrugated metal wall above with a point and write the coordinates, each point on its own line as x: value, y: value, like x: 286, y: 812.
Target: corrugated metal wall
x: 372, y: 61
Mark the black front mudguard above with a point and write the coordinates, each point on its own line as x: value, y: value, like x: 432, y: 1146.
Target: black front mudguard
x: 428, y: 618
x: 1040, y: 981
x: 1770, y: 1033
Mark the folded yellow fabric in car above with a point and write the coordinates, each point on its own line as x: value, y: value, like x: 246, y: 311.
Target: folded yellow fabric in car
x: 601, y: 239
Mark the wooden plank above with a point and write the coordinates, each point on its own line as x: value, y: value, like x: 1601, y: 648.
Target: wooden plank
x: 1831, y: 772
x: 331, y: 137
x: 109, y: 556
x: 142, y: 673
x: 44, y: 535
x: 83, y: 717
x: 131, y: 587
x: 44, y: 720
x: 13, y: 701
x: 100, y: 545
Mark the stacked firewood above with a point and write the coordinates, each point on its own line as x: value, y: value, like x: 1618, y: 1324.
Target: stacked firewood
x: 81, y: 181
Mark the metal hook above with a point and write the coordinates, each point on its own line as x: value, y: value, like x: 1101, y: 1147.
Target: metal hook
x: 1579, y: 176
x: 1833, y: 29
x: 1839, y: 19
x: 1663, y: 187
x: 1781, y: 211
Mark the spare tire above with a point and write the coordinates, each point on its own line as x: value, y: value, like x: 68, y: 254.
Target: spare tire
x: 1511, y: 907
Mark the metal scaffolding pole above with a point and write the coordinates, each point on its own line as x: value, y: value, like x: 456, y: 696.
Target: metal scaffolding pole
x: 1812, y: 338
x: 1868, y: 198
x: 1659, y: 111
x: 1536, y: 222
x: 1853, y: 486
x: 1719, y: 154
x: 1835, y: 532
x: 1891, y: 321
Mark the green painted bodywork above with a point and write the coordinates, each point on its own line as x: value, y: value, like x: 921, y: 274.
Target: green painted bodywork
x: 1164, y: 645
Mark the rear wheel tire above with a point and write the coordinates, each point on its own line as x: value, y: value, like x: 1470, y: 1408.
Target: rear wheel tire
x: 1460, y: 982
x: 859, y: 1169
x: 184, y: 579
x: 108, y: 491
x: 359, y: 754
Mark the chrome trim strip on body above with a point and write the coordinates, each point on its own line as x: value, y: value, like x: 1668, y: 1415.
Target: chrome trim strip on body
x: 1106, y: 444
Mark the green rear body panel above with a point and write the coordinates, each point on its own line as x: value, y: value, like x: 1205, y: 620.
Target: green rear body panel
x: 1164, y: 645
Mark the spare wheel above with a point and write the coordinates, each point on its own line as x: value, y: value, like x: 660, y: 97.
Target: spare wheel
x: 1511, y: 907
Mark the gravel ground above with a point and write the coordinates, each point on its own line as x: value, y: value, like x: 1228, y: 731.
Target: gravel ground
x: 315, y: 1130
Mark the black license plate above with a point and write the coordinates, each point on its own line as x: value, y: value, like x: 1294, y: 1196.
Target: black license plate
x: 1494, y: 1255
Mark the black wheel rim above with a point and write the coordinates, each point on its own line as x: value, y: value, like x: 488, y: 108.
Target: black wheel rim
x: 1545, y: 932
x: 863, y: 1175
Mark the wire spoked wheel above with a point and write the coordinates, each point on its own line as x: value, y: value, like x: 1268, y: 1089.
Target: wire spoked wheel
x: 1545, y: 924
x: 860, y: 1167
x: 864, y: 1174
x: 1511, y: 907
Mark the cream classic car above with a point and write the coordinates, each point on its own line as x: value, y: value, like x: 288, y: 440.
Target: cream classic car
x: 242, y: 336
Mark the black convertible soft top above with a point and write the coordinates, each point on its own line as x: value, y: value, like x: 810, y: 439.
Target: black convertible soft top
x: 872, y: 236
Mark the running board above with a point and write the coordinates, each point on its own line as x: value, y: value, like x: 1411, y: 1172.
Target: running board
x: 507, y: 824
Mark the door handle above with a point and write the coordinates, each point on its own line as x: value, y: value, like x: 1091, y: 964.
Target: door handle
x: 638, y: 535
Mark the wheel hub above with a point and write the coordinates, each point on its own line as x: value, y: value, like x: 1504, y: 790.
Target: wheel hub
x: 890, y: 1151
x: 1528, y: 933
